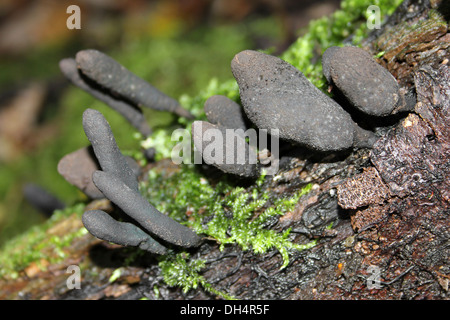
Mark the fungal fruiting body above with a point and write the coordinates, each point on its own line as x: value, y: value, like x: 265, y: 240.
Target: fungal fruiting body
x: 103, y: 226
x: 225, y: 149
x: 111, y: 75
x: 275, y: 95
x: 135, y: 206
x: 129, y: 111
x: 222, y: 111
x: 326, y: 61
x: 110, y: 158
x: 118, y: 182
x: 77, y: 168
x: 222, y: 139
x: 367, y: 85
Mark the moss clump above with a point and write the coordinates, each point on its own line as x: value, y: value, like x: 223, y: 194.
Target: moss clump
x: 181, y: 271
x: 347, y: 23
x: 228, y: 214
x: 224, y: 213
x: 44, y: 242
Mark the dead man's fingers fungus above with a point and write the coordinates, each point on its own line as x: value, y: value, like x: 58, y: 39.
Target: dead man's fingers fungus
x: 134, y: 205
x: 275, y: 95
x: 228, y: 152
x: 130, y: 112
x: 103, y: 226
x: 108, y: 154
x: 112, y: 75
x: 368, y: 86
x: 222, y: 111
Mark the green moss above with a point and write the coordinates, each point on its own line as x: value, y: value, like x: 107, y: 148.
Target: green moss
x: 36, y: 244
x: 181, y: 271
x: 228, y: 214
x: 225, y: 213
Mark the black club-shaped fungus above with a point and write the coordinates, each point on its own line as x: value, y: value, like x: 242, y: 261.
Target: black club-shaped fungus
x: 367, y: 85
x: 118, y: 183
x: 148, y: 217
x: 326, y: 60
x: 111, y: 75
x: 129, y: 111
x: 108, y: 154
x: 42, y: 199
x: 275, y: 95
x: 103, y: 226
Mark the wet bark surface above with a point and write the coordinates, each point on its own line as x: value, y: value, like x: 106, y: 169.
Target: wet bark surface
x: 389, y: 207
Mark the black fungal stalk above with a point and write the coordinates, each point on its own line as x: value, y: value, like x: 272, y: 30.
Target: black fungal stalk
x: 275, y: 95
x: 130, y: 112
x: 101, y: 225
x: 111, y: 75
x: 148, y: 217
x: 42, y: 199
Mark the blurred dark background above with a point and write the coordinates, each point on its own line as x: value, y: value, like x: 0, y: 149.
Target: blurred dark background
x: 177, y: 45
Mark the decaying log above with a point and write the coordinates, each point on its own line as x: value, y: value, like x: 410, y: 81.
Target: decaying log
x: 388, y: 207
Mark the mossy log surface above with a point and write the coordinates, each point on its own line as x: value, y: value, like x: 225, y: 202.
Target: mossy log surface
x: 404, y: 231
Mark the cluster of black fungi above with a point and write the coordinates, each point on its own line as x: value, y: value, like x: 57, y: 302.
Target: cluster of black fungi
x: 274, y: 95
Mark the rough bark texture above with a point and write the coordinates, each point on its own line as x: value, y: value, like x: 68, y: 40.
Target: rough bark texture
x: 389, y: 206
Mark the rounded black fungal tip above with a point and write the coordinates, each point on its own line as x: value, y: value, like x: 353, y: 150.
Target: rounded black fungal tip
x: 110, y: 158
x: 134, y: 205
x: 367, y: 85
x: 222, y: 111
x: 103, y: 226
x: 225, y: 148
x: 67, y: 65
x: 277, y: 96
x: 88, y: 58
